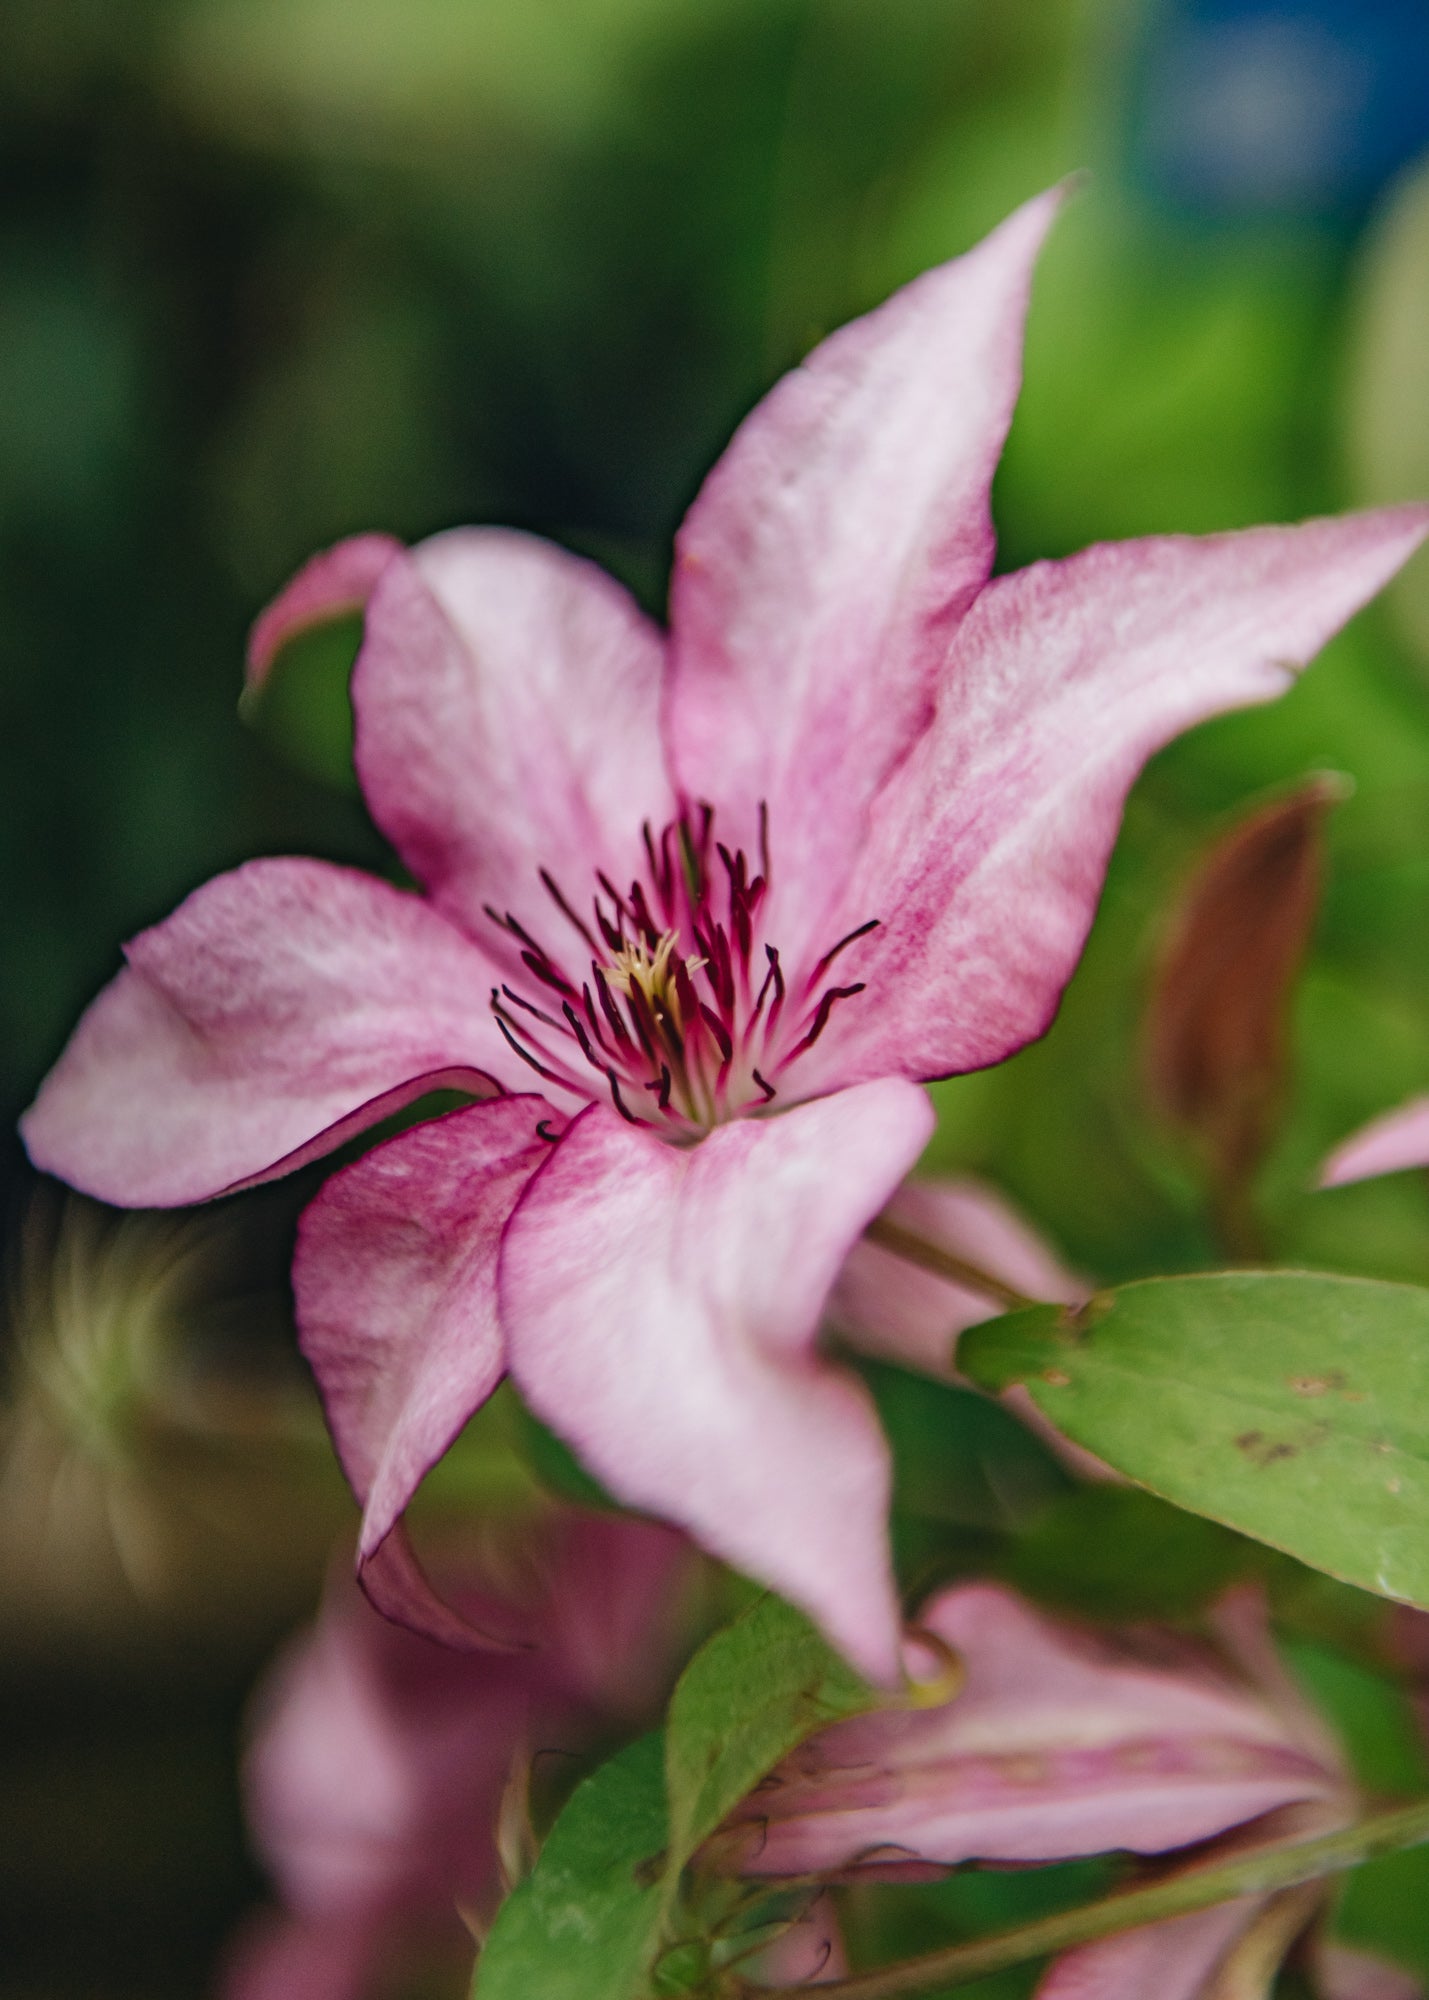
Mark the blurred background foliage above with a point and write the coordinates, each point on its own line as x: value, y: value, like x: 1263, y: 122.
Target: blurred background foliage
x: 276, y: 270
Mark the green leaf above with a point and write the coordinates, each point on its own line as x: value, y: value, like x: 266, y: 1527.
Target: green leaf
x: 589, y: 1921
x: 585, y: 1922
x: 749, y: 1696
x: 1292, y: 1406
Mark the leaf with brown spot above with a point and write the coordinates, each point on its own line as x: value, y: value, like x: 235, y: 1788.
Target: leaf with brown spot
x: 1194, y: 1388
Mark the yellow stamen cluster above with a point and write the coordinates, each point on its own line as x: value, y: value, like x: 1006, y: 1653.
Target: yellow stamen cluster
x: 652, y: 973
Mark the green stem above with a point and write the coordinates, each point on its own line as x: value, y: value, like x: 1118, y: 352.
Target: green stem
x: 915, y: 1249
x: 1257, y: 1874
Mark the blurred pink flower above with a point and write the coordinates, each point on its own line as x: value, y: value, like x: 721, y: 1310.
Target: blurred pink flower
x: 1065, y: 1741
x: 378, y: 1761
x: 840, y: 831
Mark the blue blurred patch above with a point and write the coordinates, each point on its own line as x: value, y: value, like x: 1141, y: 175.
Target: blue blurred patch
x: 1301, y: 108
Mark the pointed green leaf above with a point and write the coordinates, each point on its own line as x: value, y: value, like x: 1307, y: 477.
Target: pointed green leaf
x: 590, y: 1921
x: 585, y: 1923
x: 1292, y: 1406
x: 750, y: 1695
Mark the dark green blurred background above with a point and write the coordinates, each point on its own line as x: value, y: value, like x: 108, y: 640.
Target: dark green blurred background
x: 275, y: 270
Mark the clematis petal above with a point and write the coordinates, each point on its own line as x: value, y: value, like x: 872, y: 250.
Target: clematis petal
x: 506, y: 700
x: 279, y: 1009
x: 1172, y: 1961
x: 662, y: 1306
x: 987, y: 848
x: 336, y: 581
x: 1386, y: 1145
x: 831, y: 553
x: 1059, y: 1744
x: 395, y: 1282
x: 887, y: 1306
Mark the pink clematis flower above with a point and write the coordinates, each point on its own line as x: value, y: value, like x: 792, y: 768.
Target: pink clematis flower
x: 702, y: 910
x: 379, y: 1761
x: 1067, y: 1742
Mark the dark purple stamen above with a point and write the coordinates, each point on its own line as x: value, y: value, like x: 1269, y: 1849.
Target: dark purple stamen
x: 832, y: 953
x: 542, y: 967
x: 553, y: 890
x: 529, y: 1007
x: 667, y: 1011
x: 821, y: 1019
x: 716, y: 1027
x: 619, y: 1102
x: 517, y: 1048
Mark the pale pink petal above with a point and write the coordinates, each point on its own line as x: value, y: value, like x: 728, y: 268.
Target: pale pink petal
x: 1170, y: 1961
x: 888, y: 1306
x: 1343, y: 1974
x: 885, y: 1305
x: 1061, y: 1742
x: 1387, y: 1144
x: 662, y: 1308
x: 829, y: 556
x: 333, y: 1790
x: 507, y: 698
x: 395, y: 1283
x: 333, y: 583
x: 988, y: 846
x: 279, y: 1009
x: 377, y: 1761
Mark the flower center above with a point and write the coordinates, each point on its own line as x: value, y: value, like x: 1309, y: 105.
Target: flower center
x: 674, y: 1005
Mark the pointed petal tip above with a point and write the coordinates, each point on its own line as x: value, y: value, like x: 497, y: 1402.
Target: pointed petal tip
x: 689, y: 1381
x: 1387, y: 1145
x: 330, y: 585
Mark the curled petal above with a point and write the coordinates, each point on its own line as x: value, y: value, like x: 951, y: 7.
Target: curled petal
x: 988, y: 846
x: 662, y: 1308
x: 279, y: 1009
x: 338, y: 581
x: 395, y: 1282
x: 830, y: 554
x: 506, y: 700
x: 1060, y: 1743
x: 1386, y: 1145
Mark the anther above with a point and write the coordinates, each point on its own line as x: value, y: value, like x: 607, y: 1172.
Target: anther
x: 554, y: 892
x: 832, y: 953
x: 821, y: 1019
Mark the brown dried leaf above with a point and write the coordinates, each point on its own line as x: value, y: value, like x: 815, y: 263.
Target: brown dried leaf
x: 1217, y: 1046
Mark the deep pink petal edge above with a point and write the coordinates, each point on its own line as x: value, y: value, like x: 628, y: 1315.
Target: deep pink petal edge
x: 336, y: 581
